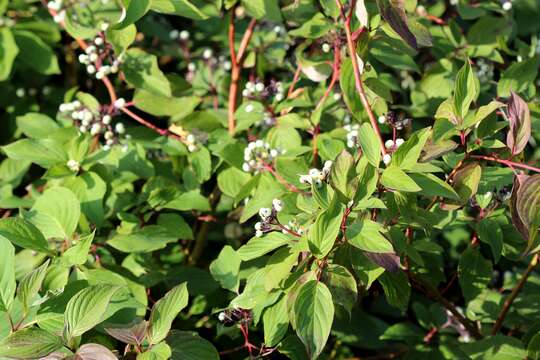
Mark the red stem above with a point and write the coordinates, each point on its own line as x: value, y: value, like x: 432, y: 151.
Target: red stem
x: 356, y: 70
x: 508, y: 163
x: 237, y: 59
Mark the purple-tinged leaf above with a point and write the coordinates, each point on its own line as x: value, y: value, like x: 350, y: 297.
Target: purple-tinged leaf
x: 94, y: 352
x: 519, y: 117
x: 131, y: 334
x: 525, y: 206
x: 393, y: 11
x: 389, y: 261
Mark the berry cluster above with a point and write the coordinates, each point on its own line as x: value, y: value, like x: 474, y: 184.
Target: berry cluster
x: 97, y: 123
x: 59, y: 7
x: 394, y: 121
x: 229, y: 317
x: 352, y: 135
x: 73, y: 165
x: 99, y: 58
x: 268, y: 218
x: 257, y: 90
x: 316, y: 176
x: 194, y: 140
x: 506, y: 5
x: 485, y: 71
x: 257, y: 155
x: 179, y: 35
x: 393, y: 145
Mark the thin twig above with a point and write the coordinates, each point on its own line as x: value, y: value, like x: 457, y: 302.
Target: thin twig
x: 356, y: 71
x: 510, y: 300
x: 435, y: 295
x: 237, y: 59
x: 294, y: 80
x: 279, y: 178
x: 508, y: 163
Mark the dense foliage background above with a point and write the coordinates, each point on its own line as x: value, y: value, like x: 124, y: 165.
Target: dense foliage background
x: 203, y: 179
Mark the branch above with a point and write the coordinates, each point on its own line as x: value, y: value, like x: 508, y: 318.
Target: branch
x: 435, y: 295
x: 294, y: 81
x: 279, y: 178
x: 508, y: 163
x: 356, y: 70
x: 509, y: 301
x: 237, y: 59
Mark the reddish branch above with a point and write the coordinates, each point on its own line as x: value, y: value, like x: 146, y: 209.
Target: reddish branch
x: 294, y: 81
x: 507, y: 163
x: 237, y: 59
x: 280, y: 178
x: 510, y: 300
x: 356, y: 70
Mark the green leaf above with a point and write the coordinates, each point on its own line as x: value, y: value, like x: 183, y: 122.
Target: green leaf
x: 78, y: 253
x: 147, y: 239
x: 498, y: 347
x: 313, y: 28
x: 226, y: 267
x: 87, y: 309
x: 342, y: 286
x: 466, y: 181
x: 406, y: 156
x: 164, y: 311
x: 259, y: 9
x: 56, y: 213
x: 314, y: 313
x: 490, y: 232
x: 433, y: 186
x: 397, y: 288
x: 466, y: 90
x: 275, y: 322
x: 121, y: 39
x: 259, y: 246
x: 394, y: 178
x: 30, y: 285
x: 278, y: 268
x: 187, y: 345
x: 44, y: 152
x: 24, y: 234
x: 474, y: 273
x: 231, y: 181
x: 141, y: 71
x: 158, y: 105
x: 159, y: 351
x: 29, y: 343
x: 36, y: 125
x: 201, y: 163
x: 135, y: 9
x: 35, y: 53
x: 370, y: 144
x: 343, y: 176
x: 8, y: 52
x: 182, y: 8
x: 366, y: 235
x: 482, y: 113
x: 7, y: 274
x: 323, y: 232
x: 533, y: 348
x: 518, y: 77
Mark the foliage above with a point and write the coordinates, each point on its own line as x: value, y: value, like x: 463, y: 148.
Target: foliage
x: 204, y: 179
